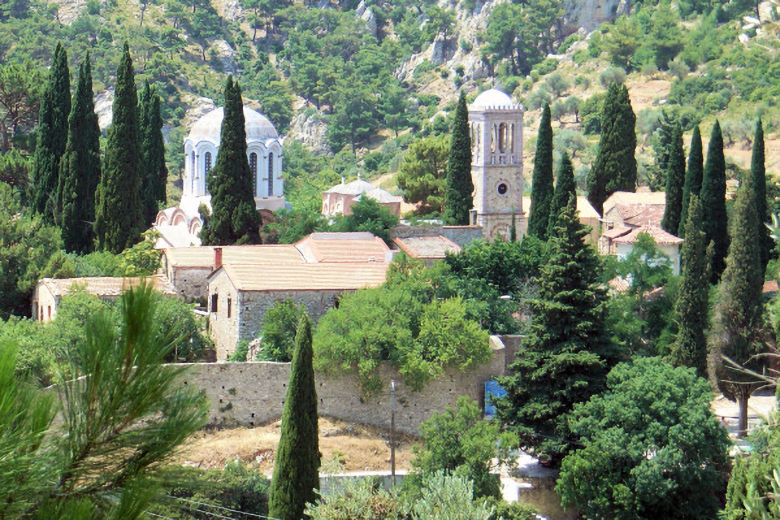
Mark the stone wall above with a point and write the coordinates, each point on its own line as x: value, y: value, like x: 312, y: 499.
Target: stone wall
x: 251, y: 394
x: 190, y: 282
x: 461, y: 235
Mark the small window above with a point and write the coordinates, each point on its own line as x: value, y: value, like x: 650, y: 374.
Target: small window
x: 192, y: 165
x: 49, y: 309
x: 270, y: 174
x: 207, y: 164
x: 253, y: 170
x: 214, y: 302
x: 502, y: 137
x: 229, y: 306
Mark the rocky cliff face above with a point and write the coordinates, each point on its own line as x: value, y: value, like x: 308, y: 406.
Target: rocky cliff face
x: 590, y: 14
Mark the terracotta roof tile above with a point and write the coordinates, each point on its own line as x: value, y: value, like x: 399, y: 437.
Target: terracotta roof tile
x: 659, y: 235
x: 104, y: 286
x: 204, y: 256
x: 343, y: 247
x: 427, y: 247
x: 303, y: 277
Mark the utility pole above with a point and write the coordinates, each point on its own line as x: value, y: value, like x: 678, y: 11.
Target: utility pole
x: 392, y: 430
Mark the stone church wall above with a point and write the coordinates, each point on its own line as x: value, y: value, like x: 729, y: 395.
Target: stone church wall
x: 461, y: 235
x: 252, y: 394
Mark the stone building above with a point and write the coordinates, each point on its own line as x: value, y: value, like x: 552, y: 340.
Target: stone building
x: 240, y: 294
x: 429, y: 249
x: 49, y: 291
x: 496, y: 126
x: 180, y: 225
x: 188, y: 268
x: 629, y: 209
x: 339, y: 199
x: 619, y: 241
x: 587, y: 214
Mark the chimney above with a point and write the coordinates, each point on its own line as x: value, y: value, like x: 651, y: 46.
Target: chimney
x: 217, y: 258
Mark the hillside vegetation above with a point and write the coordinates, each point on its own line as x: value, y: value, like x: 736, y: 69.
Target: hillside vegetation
x: 358, y: 83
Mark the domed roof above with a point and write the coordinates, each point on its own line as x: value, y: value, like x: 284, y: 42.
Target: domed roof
x: 493, y: 98
x: 210, y: 126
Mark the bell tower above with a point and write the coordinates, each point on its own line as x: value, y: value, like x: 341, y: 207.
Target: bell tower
x: 496, y: 125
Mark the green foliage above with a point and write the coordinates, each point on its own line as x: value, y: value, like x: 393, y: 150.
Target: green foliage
x: 567, y: 352
x: 565, y: 189
x: 51, y: 137
x: 152, y: 153
x: 296, y: 468
x: 739, y: 328
x: 621, y: 40
x: 675, y: 180
x: 142, y: 259
x: 651, y: 447
x: 590, y: 114
x: 368, y: 215
x: 234, y: 219
x: 15, y: 171
x: 457, y: 198
x: 279, y: 327
x: 118, y: 218
x: 758, y: 172
x: 27, y: 244
x: 691, y: 309
x: 358, y: 499
x: 429, y: 336
x: 118, y: 424
x: 615, y: 166
x: 422, y: 173
x: 80, y: 168
x: 197, y: 494
x: 713, y: 199
x: 693, y: 178
x: 458, y: 441
x: 542, y: 180
x: 448, y: 496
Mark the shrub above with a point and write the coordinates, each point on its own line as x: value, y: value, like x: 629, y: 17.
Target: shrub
x: 612, y: 75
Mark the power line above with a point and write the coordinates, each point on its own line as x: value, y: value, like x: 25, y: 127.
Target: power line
x: 255, y: 515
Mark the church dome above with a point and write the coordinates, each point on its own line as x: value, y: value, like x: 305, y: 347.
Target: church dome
x: 209, y: 127
x: 493, y: 99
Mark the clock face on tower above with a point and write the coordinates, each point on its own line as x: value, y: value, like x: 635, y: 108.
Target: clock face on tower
x: 502, y: 188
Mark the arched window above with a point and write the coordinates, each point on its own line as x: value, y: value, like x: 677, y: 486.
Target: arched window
x: 271, y: 174
x: 493, y: 138
x: 193, y: 171
x: 207, y: 164
x: 502, y: 137
x: 512, y: 137
x: 253, y: 170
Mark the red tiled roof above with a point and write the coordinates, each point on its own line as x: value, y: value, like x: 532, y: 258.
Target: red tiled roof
x: 343, y: 247
x: 104, y: 285
x: 770, y: 287
x: 427, y: 247
x: 659, y: 235
x: 204, y: 256
x: 305, y: 277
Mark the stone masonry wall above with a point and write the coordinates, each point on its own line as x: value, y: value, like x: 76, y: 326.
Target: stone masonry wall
x: 461, y: 235
x: 251, y: 394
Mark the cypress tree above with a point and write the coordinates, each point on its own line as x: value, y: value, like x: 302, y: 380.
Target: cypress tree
x: 758, y: 172
x: 52, y: 136
x: 567, y: 354
x: 234, y: 218
x: 675, y: 180
x: 542, y: 183
x: 690, y: 311
x: 693, y: 176
x: 118, y: 217
x: 664, y: 137
x: 296, y: 469
x: 713, y: 199
x: 565, y: 188
x: 615, y: 166
x: 80, y: 167
x: 152, y: 153
x: 458, y: 195
x: 738, y: 323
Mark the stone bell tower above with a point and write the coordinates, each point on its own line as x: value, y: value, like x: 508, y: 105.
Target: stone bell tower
x: 496, y: 125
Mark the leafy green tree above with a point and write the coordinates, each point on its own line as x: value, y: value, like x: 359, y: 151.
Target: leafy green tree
x: 615, y: 166
x: 353, y: 118
x: 738, y: 330
x: 15, y: 171
x: 296, y: 468
x: 80, y: 168
x: 622, y: 40
x: 675, y: 180
x: 152, y: 153
x: 457, y: 198
x: 368, y: 215
x: 20, y: 93
x: 663, y: 142
x: 27, y: 245
x: 542, y: 180
x: 52, y: 136
x: 758, y: 172
x: 234, y: 219
x: 650, y: 447
x: 565, y: 188
x: 118, y: 424
x: 713, y: 199
x: 567, y: 353
x: 460, y: 442
x: 691, y: 310
x: 358, y: 499
x: 448, y: 496
x: 665, y: 38
x: 118, y: 217
x: 422, y: 173
x: 693, y: 178
x: 279, y: 325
